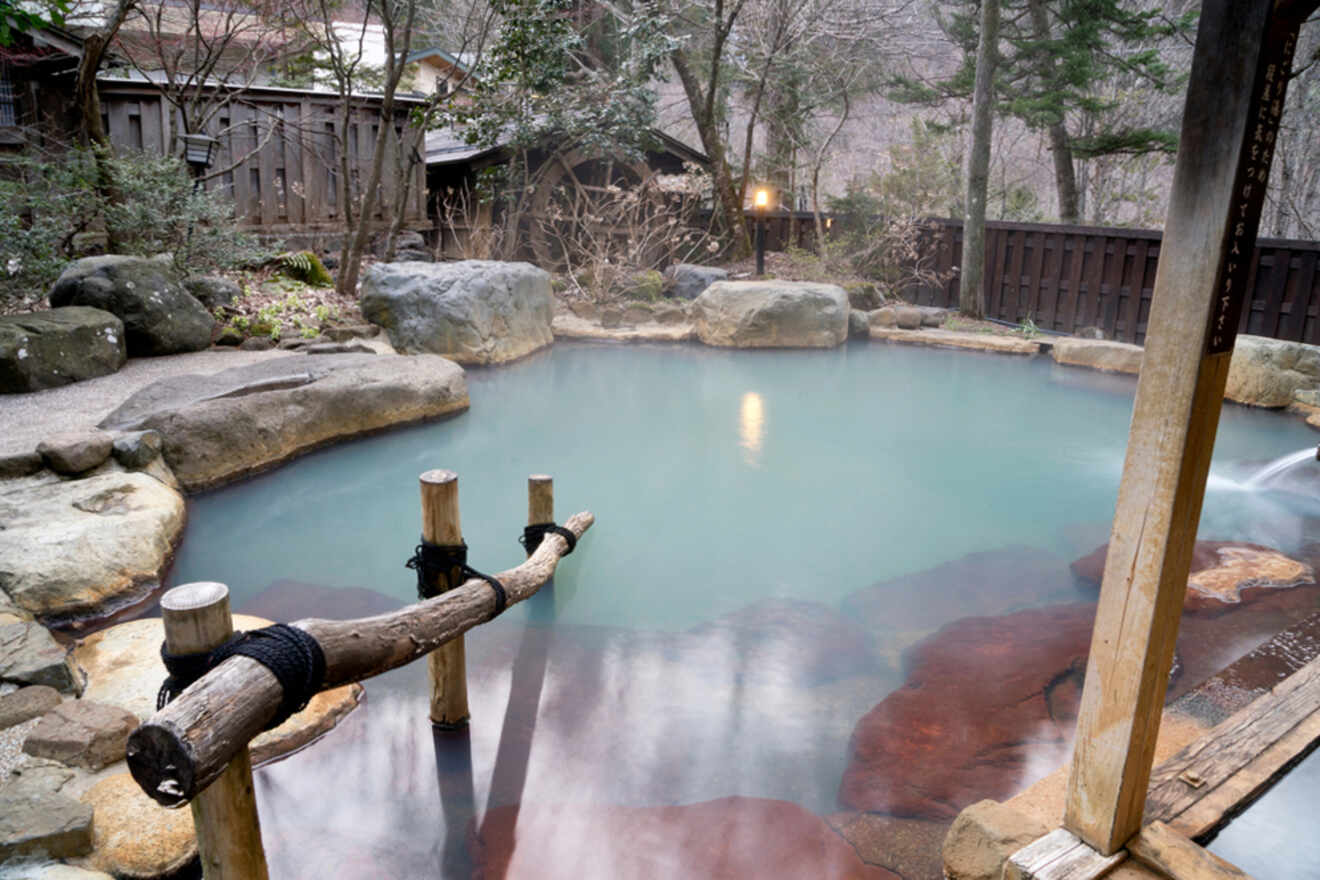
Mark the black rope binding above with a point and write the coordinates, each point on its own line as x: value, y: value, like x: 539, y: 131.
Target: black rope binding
x: 431, y: 561
x: 292, y: 655
x: 535, y: 533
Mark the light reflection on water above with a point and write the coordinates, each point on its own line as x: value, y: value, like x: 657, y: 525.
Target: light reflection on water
x: 743, y: 600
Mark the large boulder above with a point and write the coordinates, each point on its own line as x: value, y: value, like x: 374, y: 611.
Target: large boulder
x: 986, y: 700
x: 690, y: 281
x: 132, y: 835
x: 1098, y: 354
x: 1267, y: 372
x: 37, y: 825
x: 474, y: 311
x: 48, y: 349
x: 220, y: 427
x: 123, y: 669
x: 772, y: 314
x: 72, y: 548
x: 159, y: 315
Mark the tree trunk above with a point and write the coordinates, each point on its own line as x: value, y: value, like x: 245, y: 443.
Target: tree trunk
x: 727, y: 206
x: 971, y: 296
x: 1065, y: 180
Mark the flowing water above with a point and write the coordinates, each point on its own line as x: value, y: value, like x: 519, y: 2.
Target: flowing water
x: 768, y: 525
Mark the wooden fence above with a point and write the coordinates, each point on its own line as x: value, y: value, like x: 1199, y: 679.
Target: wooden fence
x: 284, y: 147
x: 1065, y: 278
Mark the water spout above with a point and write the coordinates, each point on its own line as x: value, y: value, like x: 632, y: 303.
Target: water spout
x: 1262, y: 477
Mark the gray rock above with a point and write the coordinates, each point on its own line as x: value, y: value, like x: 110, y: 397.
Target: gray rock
x: 338, y: 348
x: 137, y: 449
x: 159, y: 316
x: 690, y: 280
x: 20, y: 464
x: 34, y: 776
x: 474, y: 311
x: 48, y: 349
x: 1268, y: 372
x: 212, y: 291
x: 406, y: 240
x: 229, y: 336
x: 412, y: 255
x: 30, y: 655
x: 932, y: 316
x: 71, y: 547
x: 11, y: 613
x: 257, y: 343
x: 82, y: 733
x: 228, y: 424
x: 771, y: 314
x: 1090, y: 333
x: 50, y: 825
x: 864, y: 295
x: 859, y: 324
x: 355, y: 331
x: 1097, y: 354
x: 26, y: 703
x: 886, y: 316
x: 74, y: 452
x: 908, y: 317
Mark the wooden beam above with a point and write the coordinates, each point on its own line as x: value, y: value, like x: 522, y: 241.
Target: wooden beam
x: 1234, y: 100
x: 1204, y: 765
x: 1162, y: 849
x: 1059, y: 855
x: 182, y: 748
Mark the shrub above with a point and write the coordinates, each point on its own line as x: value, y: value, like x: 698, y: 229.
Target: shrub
x: 50, y: 198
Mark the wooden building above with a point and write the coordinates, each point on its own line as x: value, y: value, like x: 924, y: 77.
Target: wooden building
x: 279, y: 154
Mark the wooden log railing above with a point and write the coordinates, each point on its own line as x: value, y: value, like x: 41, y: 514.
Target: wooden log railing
x: 185, y: 746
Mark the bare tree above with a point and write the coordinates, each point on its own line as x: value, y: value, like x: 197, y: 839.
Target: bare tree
x: 971, y: 296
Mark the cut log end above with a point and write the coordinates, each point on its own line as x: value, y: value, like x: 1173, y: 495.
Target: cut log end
x: 162, y: 765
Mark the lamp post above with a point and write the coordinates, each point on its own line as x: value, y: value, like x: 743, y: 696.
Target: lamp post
x: 198, y: 150
x: 762, y: 201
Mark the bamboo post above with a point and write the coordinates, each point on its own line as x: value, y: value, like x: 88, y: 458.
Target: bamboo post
x: 448, y: 663
x: 540, y: 502
x: 196, y: 618
x: 1234, y: 100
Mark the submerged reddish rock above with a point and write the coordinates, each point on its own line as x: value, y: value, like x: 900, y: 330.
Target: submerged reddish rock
x: 988, y: 705
x: 1222, y: 574
x: 732, y: 837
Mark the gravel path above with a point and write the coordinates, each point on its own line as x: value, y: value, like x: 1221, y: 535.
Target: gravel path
x: 26, y: 419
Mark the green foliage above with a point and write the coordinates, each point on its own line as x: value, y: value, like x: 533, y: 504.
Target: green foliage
x: 16, y: 18
x: 542, y: 81
x: 160, y: 210
x: 306, y: 267
x: 49, y: 199
x: 925, y: 176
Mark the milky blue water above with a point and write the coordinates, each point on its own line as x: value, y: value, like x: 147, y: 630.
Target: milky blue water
x: 770, y: 487
x: 722, y: 477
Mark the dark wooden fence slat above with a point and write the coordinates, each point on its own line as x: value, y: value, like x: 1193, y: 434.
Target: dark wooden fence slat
x: 1273, y: 292
x: 1251, y: 314
x: 1033, y: 279
x: 1114, y: 257
x: 1306, y: 292
x: 1131, y: 303
x: 1048, y: 308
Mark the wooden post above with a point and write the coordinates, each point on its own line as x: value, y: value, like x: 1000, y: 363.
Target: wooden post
x: 448, y: 663
x: 196, y: 618
x: 1234, y: 99
x: 541, y: 502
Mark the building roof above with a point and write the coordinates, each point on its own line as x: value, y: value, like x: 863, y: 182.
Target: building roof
x: 446, y: 146
x: 455, y: 61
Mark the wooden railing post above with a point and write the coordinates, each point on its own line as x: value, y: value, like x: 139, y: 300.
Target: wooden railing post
x: 448, y: 663
x: 196, y: 618
x: 540, y: 502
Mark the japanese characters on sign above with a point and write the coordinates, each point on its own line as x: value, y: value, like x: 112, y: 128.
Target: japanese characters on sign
x: 1249, y: 189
